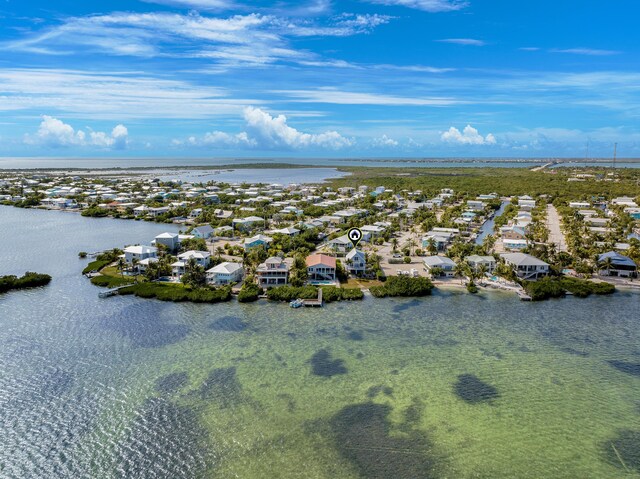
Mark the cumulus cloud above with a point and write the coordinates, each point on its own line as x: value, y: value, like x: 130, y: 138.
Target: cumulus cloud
x: 468, y: 136
x: 433, y: 6
x: 55, y: 133
x: 269, y: 132
x: 385, y: 142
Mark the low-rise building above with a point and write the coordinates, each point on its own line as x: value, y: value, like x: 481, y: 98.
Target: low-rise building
x: 442, y: 263
x: 257, y: 241
x: 613, y: 263
x: 321, y: 267
x: 273, y: 272
x: 139, y: 253
x: 526, y: 266
x: 225, y: 273
x: 476, y: 262
x: 171, y: 241
x: 356, y: 262
x: 203, y: 231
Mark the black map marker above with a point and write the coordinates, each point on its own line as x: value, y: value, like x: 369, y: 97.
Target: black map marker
x: 355, y: 236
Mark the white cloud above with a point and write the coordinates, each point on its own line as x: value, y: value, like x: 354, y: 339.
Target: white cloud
x: 268, y: 132
x: 275, y: 132
x: 433, y: 6
x: 55, y: 133
x: 338, y: 97
x: 385, y: 142
x: 113, y: 96
x: 468, y: 136
x: 586, y: 51
x: 464, y: 41
x: 197, y: 4
x: 251, y: 39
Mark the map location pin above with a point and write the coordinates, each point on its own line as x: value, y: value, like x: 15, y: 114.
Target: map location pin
x: 355, y: 236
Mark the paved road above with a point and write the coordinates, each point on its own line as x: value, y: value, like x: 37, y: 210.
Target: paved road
x: 553, y: 225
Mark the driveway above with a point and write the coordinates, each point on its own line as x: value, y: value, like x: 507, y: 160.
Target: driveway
x: 555, y: 233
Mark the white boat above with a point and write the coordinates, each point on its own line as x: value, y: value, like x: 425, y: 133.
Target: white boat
x: 297, y: 303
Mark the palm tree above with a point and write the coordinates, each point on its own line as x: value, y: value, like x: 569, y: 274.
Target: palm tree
x: 431, y: 246
x: 394, y: 244
x: 411, y: 244
x: 482, y: 270
x: 460, y: 270
x: 121, y: 264
x: 606, y: 264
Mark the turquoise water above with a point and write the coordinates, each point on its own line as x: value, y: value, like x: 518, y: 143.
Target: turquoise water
x: 450, y: 386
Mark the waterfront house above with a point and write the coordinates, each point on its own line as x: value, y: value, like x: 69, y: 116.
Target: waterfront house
x: 139, y: 253
x: 443, y: 263
x: 526, y: 266
x: 621, y: 265
x: 476, y: 261
x: 169, y: 240
x: 475, y: 205
x: 225, y: 273
x: 257, y: 241
x: 321, y: 267
x: 141, y: 210
x: 155, y: 212
x: 203, y: 231
x: 356, y: 262
x: 273, y: 272
x: 201, y: 258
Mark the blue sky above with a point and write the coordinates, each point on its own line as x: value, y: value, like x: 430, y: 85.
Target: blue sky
x: 423, y: 78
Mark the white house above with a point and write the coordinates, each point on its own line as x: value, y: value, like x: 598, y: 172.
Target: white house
x: 289, y: 231
x: 356, y: 262
x: 225, y: 273
x: 170, y: 240
x: 204, y: 231
x: 201, y: 258
x: 139, y: 253
x: 340, y: 245
x: 526, y: 266
x: 476, y: 262
x: 447, y: 265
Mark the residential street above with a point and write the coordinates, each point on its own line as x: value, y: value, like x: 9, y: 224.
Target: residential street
x: 555, y: 233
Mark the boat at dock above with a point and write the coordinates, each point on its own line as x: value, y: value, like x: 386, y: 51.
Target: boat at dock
x: 296, y: 303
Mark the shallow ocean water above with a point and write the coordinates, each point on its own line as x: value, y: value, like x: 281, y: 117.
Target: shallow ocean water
x: 449, y: 386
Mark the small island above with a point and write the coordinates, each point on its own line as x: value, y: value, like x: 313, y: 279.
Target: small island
x: 29, y: 280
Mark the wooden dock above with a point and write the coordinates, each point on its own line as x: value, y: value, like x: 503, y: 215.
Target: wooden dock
x: 111, y: 292
x: 314, y: 303
x: 523, y: 295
